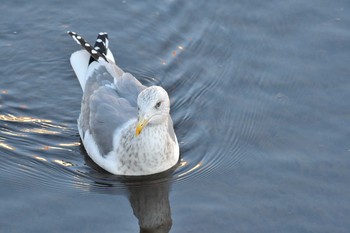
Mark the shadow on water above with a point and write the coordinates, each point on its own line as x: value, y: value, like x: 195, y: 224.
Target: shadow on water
x: 148, y: 195
x: 150, y: 204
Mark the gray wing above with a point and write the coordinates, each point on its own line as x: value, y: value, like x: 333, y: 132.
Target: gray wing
x: 128, y: 87
x: 105, y: 107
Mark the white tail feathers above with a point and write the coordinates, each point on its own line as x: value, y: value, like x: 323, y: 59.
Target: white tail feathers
x: 80, y: 63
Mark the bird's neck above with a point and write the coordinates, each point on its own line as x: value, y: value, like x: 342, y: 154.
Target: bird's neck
x: 155, y: 147
x: 154, y: 134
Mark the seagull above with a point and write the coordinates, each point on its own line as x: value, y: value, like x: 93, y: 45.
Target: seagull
x: 125, y: 127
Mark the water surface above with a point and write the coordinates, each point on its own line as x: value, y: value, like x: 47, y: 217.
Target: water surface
x: 259, y: 94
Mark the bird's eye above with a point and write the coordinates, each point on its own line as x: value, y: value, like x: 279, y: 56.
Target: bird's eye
x: 138, y: 108
x: 158, y: 104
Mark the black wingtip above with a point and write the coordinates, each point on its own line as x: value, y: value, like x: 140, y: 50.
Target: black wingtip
x: 101, y: 44
x: 95, y: 54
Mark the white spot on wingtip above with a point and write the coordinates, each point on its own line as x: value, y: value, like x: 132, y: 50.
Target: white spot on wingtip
x: 97, y: 48
x: 87, y: 45
x: 94, y: 51
x: 75, y: 38
x: 78, y: 37
x: 98, y: 40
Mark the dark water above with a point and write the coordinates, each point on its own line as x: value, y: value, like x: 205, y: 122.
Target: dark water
x: 260, y: 100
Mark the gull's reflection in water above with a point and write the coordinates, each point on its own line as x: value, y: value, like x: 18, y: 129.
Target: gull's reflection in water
x: 148, y: 196
x: 150, y: 203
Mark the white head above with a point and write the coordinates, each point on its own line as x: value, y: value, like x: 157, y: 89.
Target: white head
x: 153, y: 107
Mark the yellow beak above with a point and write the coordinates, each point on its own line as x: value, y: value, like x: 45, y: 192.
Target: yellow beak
x: 140, y: 125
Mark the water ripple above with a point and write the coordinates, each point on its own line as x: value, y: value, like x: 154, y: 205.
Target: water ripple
x: 215, y: 110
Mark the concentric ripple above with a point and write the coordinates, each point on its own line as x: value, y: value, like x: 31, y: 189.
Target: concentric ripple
x: 215, y: 126
x: 214, y: 105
